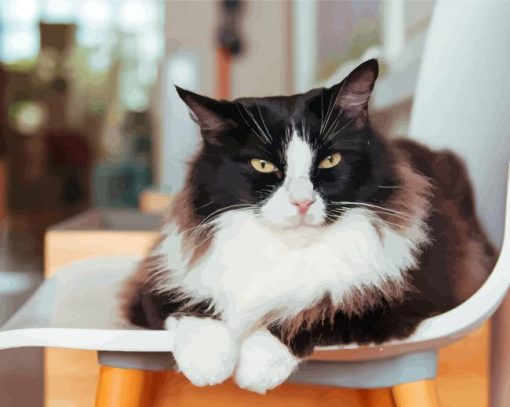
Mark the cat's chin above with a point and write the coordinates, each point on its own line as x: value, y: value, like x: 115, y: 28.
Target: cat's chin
x: 298, y: 224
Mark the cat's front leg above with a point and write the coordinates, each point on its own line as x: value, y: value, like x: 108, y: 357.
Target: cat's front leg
x: 205, y: 349
x: 264, y: 362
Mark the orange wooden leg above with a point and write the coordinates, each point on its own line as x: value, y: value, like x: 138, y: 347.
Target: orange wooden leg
x: 378, y: 398
x: 123, y: 387
x: 416, y: 394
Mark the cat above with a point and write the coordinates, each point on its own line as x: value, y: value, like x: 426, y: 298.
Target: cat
x: 299, y: 225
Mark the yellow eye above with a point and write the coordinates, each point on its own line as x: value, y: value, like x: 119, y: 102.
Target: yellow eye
x: 331, y: 161
x: 263, y: 166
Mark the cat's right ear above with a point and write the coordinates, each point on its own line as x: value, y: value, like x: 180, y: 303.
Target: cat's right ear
x: 208, y: 113
x: 353, y: 93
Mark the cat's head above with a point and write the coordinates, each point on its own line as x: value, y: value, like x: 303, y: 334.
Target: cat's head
x: 291, y: 160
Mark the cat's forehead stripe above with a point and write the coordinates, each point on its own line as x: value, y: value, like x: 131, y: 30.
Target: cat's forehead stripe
x: 299, y: 157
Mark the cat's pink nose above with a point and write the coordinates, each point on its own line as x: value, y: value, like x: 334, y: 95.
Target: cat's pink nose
x: 303, y: 205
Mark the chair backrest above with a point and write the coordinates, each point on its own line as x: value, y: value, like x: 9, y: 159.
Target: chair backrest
x: 462, y: 97
x: 461, y: 103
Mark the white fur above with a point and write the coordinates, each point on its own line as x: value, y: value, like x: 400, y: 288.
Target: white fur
x: 205, y: 350
x: 171, y: 248
x: 264, y: 362
x: 296, y: 187
x: 252, y: 269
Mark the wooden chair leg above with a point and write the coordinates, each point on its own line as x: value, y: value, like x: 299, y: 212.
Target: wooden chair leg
x: 416, y: 394
x: 378, y: 398
x: 123, y: 387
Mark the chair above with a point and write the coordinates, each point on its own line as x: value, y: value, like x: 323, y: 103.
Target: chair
x: 77, y: 309
x: 461, y: 103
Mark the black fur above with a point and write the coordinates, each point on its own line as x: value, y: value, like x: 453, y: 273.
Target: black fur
x: 223, y: 176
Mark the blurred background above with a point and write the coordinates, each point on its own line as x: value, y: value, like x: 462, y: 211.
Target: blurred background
x: 89, y: 117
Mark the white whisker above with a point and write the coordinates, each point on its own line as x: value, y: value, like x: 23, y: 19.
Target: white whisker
x: 256, y: 133
x: 337, y: 133
x: 268, y: 133
x: 385, y: 211
x: 332, y: 105
x: 389, y: 223
x: 209, y: 219
x: 205, y: 205
x: 379, y: 219
x: 328, y: 112
x: 368, y: 205
x: 254, y: 121
x: 332, y: 130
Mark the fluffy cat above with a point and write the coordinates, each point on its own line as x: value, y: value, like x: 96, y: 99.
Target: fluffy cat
x: 300, y: 226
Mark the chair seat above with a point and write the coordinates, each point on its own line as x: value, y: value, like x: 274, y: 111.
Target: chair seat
x: 79, y: 308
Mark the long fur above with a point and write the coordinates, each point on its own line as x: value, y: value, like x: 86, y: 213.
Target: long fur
x: 389, y: 237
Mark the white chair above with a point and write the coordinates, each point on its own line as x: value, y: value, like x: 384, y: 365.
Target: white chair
x: 461, y: 103
x: 78, y: 308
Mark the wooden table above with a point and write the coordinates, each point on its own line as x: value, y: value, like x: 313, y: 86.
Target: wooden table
x: 72, y: 374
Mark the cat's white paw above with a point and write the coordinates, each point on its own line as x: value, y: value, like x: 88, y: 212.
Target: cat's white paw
x: 264, y: 362
x: 204, y: 349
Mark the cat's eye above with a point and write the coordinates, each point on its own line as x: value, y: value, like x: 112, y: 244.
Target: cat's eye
x: 331, y: 161
x: 263, y: 166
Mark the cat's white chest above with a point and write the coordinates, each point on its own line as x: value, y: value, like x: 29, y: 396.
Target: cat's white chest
x: 251, y: 270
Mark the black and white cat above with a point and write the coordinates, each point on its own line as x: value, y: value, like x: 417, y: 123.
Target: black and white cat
x: 300, y: 226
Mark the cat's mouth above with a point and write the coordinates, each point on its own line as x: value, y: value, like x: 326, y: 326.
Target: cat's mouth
x: 303, y: 222
x: 297, y: 222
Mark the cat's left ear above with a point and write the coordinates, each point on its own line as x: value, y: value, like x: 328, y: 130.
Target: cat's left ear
x: 353, y: 93
x: 210, y: 114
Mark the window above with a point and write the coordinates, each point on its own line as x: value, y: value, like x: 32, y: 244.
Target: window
x: 106, y: 30
x: 19, y: 30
